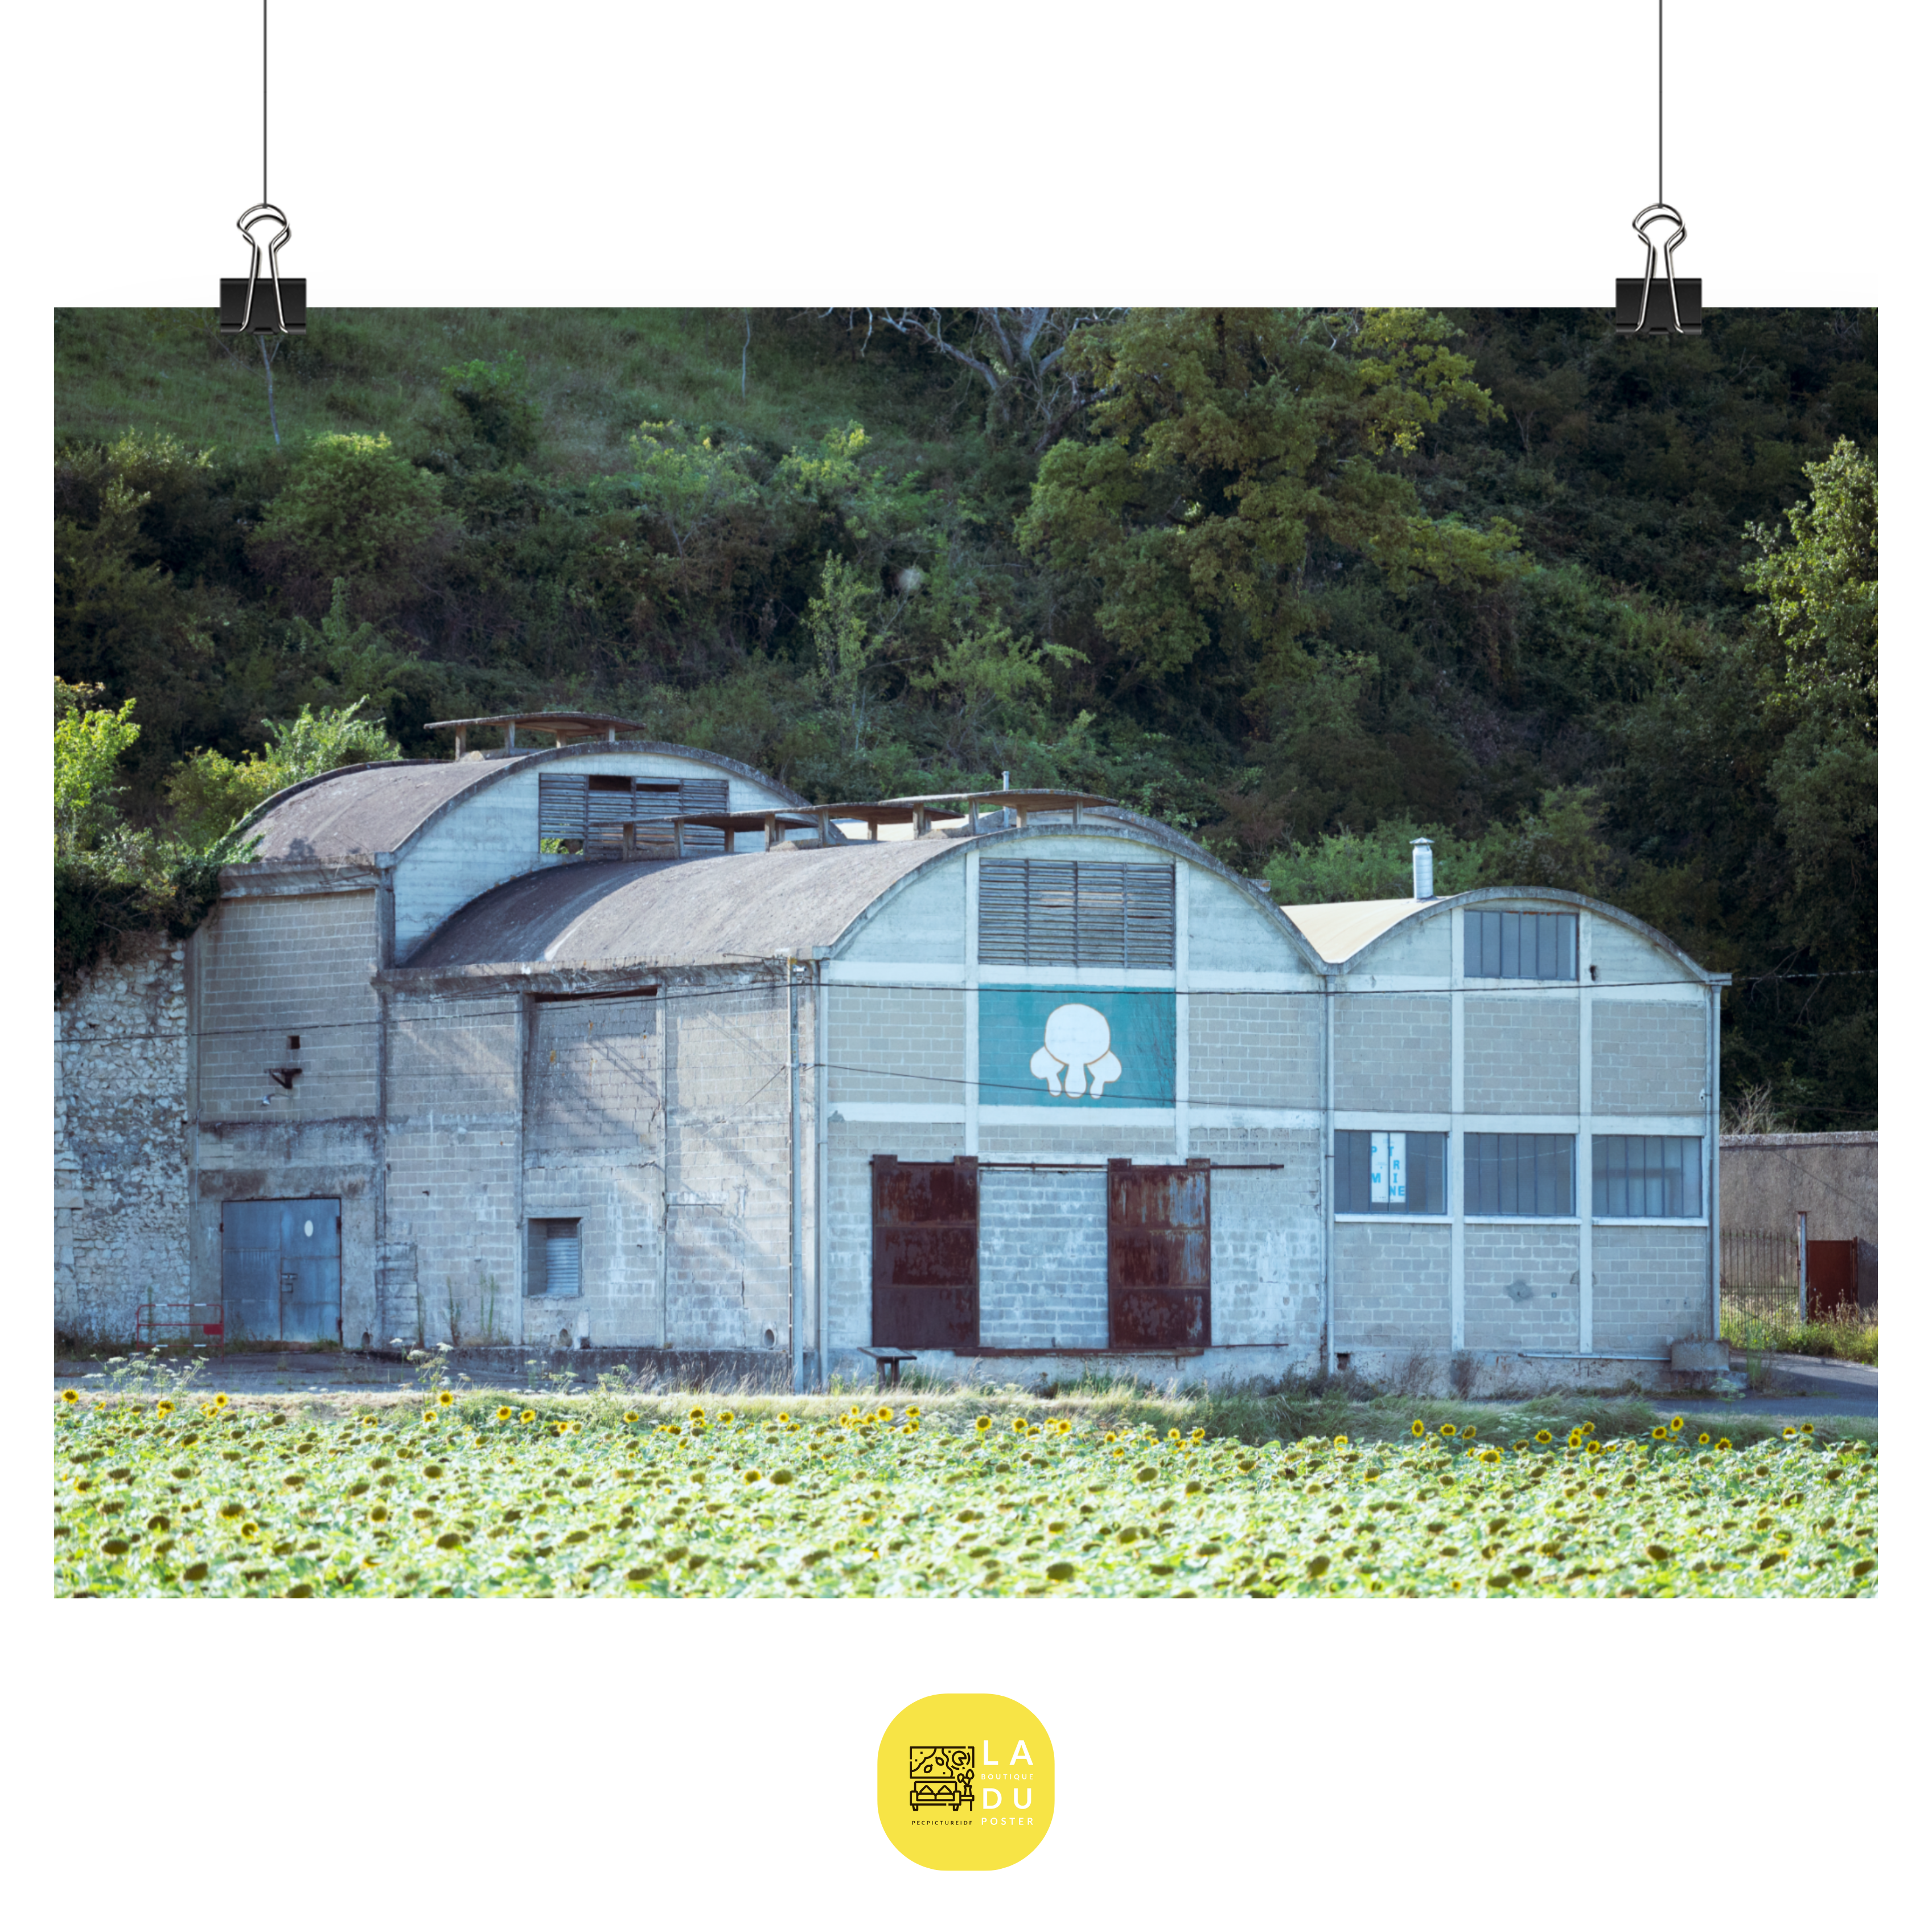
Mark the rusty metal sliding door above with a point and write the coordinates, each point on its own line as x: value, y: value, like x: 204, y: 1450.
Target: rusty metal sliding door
x: 925, y: 1253
x: 1159, y: 1243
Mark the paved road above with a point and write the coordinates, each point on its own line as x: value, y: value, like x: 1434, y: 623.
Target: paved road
x: 1802, y: 1387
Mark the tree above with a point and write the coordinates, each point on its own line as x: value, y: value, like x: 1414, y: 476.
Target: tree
x: 1817, y: 634
x: 1020, y: 354
x: 355, y: 509
x: 1820, y: 594
x: 1225, y: 447
x: 88, y: 740
x: 211, y: 794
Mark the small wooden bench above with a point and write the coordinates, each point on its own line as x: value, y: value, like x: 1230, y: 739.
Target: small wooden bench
x: 889, y: 1361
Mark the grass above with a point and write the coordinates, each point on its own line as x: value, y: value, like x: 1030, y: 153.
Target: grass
x: 976, y: 1495
x: 1769, y: 1325
x: 595, y: 374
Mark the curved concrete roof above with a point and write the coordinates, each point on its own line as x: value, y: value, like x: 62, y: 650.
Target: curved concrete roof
x: 735, y: 908
x: 1343, y: 932
x: 350, y: 814
x: 728, y: 909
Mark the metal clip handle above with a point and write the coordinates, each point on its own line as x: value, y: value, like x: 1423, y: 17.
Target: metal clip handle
x: 1647, y: 218
x: 244, y: 227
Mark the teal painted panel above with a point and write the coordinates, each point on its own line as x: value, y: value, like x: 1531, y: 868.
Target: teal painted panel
x: 1076, y: 1047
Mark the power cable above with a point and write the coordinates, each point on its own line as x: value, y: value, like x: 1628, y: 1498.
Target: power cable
x: 659, y: 996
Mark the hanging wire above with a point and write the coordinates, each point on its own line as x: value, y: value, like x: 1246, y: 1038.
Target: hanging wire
x: 1660, y: 97
x: 265, y: 97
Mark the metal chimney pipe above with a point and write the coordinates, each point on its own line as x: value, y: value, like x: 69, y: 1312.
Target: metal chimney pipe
x: 1422, y: 855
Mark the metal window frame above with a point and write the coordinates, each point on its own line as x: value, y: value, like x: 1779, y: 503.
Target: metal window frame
x: 1484, y: 1155
x: 1346, y: 1201
x: 537, y: 1238
x: 1493, y: 943
x: 1610, y: 1171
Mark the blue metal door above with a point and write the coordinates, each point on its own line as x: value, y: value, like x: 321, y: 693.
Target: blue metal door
x: 281, y: 1270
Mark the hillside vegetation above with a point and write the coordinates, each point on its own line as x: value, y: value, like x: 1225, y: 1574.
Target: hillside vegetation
x: 1595, y: 613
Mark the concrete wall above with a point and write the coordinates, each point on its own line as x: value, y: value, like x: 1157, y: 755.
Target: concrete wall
x: 1766, y: 1178
x: 1253, y: 1050
x: 121, y: 1167
x: 727, y: 1152
x: 1392, y: 1052
x: 1520, y: 1287
x: 899, y: 1046
x: 1266, y: 1228
x: 1519, y: 1055
x: 491, y: 835
x: 289, y: 959
x: 452, y: 1258
x: 1043, y: 1258
x: 282, y: 965
x: 1650, y: 1288
x: 1647, y: 1058
x: 1392, y: 1285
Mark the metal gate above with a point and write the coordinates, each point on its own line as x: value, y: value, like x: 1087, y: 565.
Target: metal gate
x: 1831, y: 1277
x: 1159, y: 1247
x: 281, y: 1270
x: 925, y: 1253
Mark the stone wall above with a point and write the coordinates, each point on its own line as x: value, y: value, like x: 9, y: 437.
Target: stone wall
x: 120, y: 1166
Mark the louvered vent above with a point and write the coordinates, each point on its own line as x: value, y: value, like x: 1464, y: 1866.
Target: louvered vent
x: 561, y: 813
x: 1035, y: 912
x: 584, y: 814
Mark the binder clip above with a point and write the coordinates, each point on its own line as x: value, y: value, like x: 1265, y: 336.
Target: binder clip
x: 256, y: 305
x: 1640, y: 308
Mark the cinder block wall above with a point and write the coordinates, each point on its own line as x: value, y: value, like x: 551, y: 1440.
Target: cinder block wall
x: 1249, y: 1050
x: 1266, y: 1236
x: 850, y: 1146
x: 1520, y: 1288
x: 727, y: 1151
x: 1519, y: 1055
x: 900, y: 1045
x: 265, y: 970
x: 452, y: 1259
x: 121, y: 1168
x: 273, y: 967
x: 1392, y: 1051
x: 1651, y: 1289
x: 1646, y: 1057
x: 1392, y: 1285
x: 1043, y: 1258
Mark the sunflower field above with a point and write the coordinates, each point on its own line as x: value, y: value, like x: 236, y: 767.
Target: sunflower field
x: 157, y: 1499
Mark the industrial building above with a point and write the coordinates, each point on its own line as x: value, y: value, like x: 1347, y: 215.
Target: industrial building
x: 622, y: 1045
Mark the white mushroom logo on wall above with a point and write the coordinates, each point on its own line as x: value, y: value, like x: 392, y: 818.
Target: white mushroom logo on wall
x: 1078, y: 1044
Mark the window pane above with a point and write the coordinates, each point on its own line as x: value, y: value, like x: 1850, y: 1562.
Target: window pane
x: 1649, y: 1177
x: 1566, y: 946
x: 1552, y: 1174
x: 1426, y: 1192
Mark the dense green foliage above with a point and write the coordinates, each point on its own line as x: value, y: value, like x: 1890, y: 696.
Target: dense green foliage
x: 1591, y: 613
x: 115, y: 883
x: 152, y: 1500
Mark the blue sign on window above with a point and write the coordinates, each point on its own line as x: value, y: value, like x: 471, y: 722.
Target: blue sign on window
x: 1076, y: 1047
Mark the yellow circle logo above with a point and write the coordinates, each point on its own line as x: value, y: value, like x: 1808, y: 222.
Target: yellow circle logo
x: 965, y: 1782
